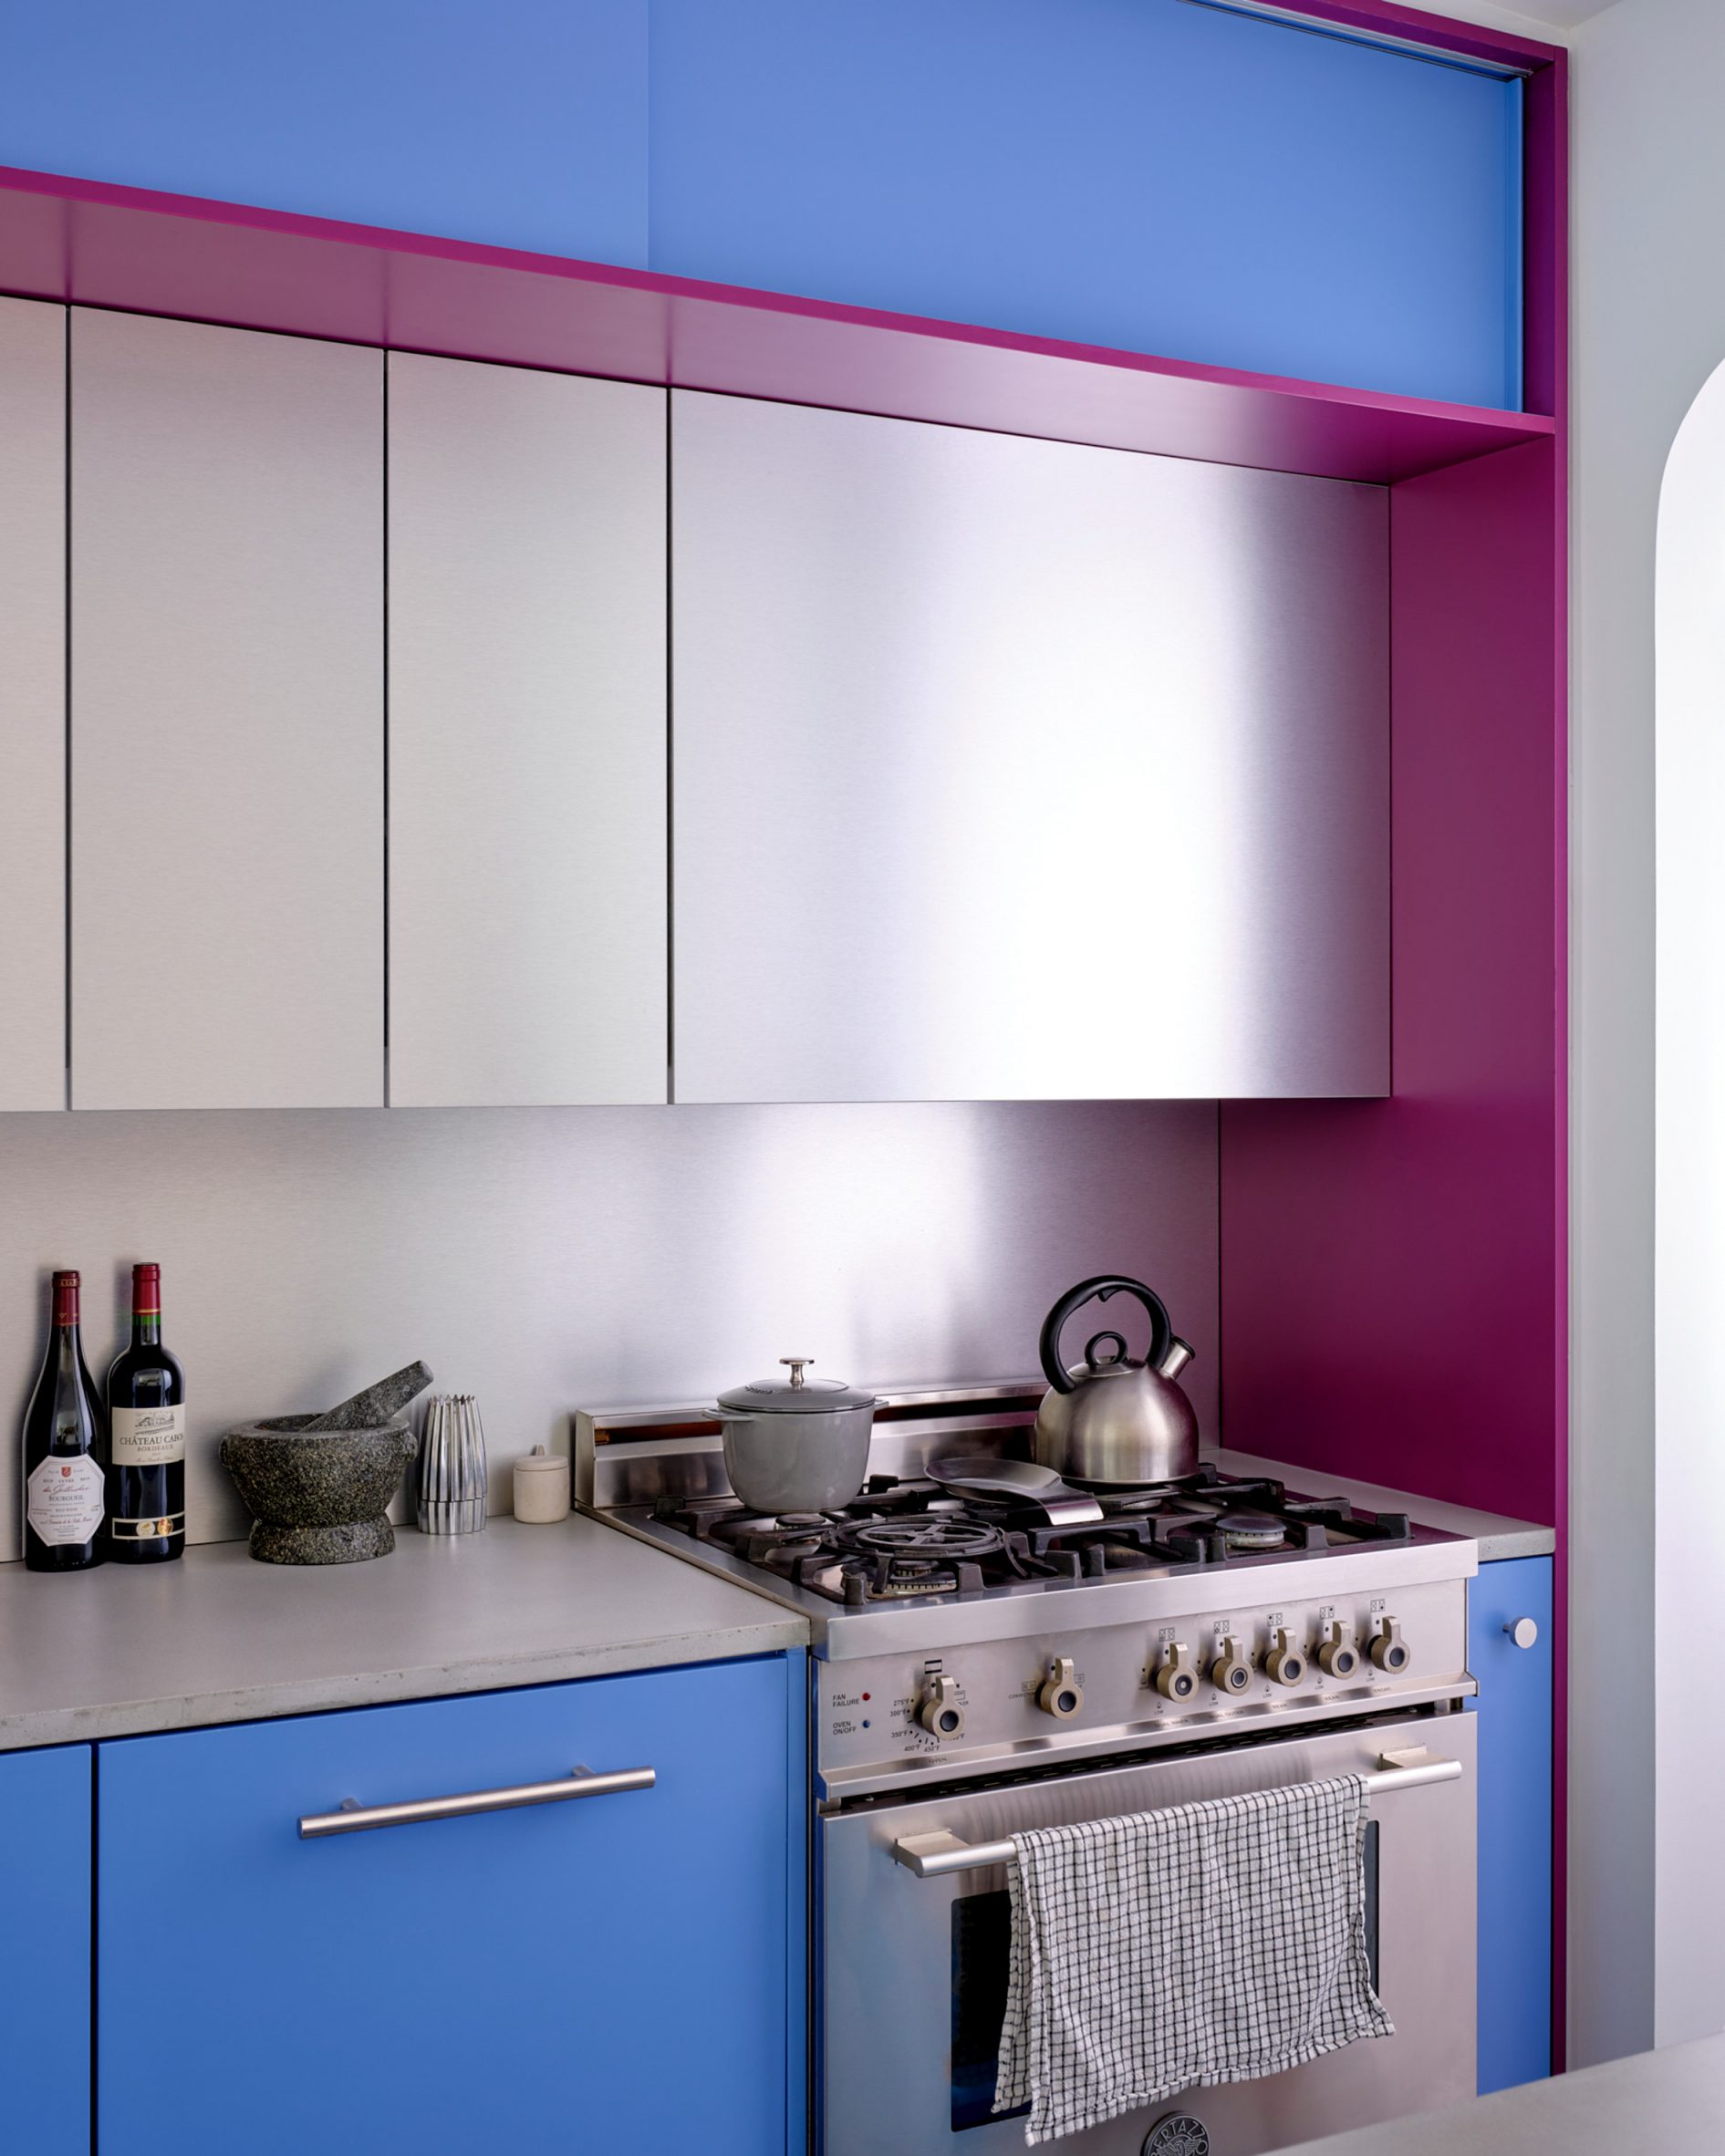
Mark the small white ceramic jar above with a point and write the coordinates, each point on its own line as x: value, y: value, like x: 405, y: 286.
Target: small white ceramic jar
x: 542, y: 1486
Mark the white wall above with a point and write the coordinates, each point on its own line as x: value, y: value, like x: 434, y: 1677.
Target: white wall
x: 1689, y: 1222
x: 550, y: 1258
x: 1649, y: 330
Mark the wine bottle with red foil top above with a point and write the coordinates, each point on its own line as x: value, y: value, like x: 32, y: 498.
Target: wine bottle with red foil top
x: 65, y: 1451
x: 146, y: 1438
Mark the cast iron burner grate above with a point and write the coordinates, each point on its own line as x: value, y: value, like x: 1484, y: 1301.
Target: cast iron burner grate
x: 904, y: 1539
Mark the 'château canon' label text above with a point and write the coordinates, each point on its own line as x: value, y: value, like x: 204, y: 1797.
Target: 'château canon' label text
x: 147, y: 1436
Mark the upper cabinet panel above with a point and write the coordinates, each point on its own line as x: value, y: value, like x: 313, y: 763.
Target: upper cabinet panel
x: 32, y: 704
x: 1194, y: 182
x: 528, y: 779
x: 525, y: 125
x: 227, y: 718
x: 1012, y: 770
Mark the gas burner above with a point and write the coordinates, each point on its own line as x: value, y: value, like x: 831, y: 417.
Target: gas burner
x: 900, y: 1582
x: 1251, y: 1531
x: 929, y: 1535
x: 904, y: 1539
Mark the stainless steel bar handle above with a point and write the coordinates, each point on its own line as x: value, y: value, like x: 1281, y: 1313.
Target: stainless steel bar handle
x: 354, y: 1818
x: 932, y: 1856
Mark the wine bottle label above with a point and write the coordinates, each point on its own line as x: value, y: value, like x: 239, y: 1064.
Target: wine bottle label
x: 148, y: 1436
x: 63, y: 1497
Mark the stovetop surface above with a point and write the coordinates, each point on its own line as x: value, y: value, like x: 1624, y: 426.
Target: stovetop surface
x: 917, y: 1541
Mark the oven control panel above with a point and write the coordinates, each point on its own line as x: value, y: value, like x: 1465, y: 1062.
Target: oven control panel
x: 1163, y: 1681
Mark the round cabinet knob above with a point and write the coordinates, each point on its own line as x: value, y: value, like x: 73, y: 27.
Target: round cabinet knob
x: 1338, y: 1656
x: 1284, y: 1664
x: 1389, y: 1649
x: 940, y: 1712
x: 1176, y: 1679
x: 1231, y: 1670
x: 1061, y: 1694
x: 1523, y: 1632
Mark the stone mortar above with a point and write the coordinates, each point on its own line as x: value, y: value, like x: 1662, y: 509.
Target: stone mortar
x: 318, y: 1498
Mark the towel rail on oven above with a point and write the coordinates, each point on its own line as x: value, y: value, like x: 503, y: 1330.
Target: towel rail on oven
x: 934, y: 1856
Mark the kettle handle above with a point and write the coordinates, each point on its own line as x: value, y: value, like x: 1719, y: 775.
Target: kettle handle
x: 1100, y: 1289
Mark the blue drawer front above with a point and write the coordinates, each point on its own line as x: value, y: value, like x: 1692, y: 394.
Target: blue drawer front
x: 45, y: 1961
x: 1515, y: 1709
x: 607, y: 1974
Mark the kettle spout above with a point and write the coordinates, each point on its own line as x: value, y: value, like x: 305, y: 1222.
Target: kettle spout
x: 1179, y: 1353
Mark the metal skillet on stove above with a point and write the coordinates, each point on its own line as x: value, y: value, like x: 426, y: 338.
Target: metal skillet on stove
x: 1018, y: 1482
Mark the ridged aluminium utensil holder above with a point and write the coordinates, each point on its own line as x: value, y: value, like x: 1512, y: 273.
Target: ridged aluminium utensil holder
x: 452, y: 1478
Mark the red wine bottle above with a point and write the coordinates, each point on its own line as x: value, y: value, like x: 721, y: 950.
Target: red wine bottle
x: 65, y: 1451
x: 146, y: 1438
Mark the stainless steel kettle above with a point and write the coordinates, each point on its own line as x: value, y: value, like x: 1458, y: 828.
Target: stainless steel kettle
x: 1110, y: 1419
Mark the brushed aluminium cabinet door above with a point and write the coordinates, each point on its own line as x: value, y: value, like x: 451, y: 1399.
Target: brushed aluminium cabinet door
x: 1012, y: 769
x: 32, y: 704
x: 227, y: 718
x: 527, y: 737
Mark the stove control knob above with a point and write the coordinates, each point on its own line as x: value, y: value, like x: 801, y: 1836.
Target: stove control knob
x: 1231, y: 1670
x: 1338, y: 1656
x: 1284, y: 1664
x: 1061, y: 1694
x: 1176, y: 1679
x: 1389, y: 1649
x: 940, y: 1712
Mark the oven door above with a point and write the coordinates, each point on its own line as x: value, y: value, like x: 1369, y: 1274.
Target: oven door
x: 914, y: 1969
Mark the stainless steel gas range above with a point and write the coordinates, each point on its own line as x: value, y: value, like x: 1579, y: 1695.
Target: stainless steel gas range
x: 981, y: 1667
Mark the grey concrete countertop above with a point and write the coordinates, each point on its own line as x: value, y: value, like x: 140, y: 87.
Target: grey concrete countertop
x: 1672, y: 2101
x: 217, y: 1637
x: 1497, y: 1536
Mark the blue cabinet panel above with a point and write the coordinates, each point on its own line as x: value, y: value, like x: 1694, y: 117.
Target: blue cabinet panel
x: 605, y: 1977
x: 1514, y: 1708
x: 524, y: 125
x: 1174, y: 179
x: 44, y: 1951
x: 1168, y: 178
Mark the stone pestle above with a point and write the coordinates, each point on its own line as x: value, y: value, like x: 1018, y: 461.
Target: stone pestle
x: 378, y: 1404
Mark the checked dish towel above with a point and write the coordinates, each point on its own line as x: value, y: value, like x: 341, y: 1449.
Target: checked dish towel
x: 1178, y: 1949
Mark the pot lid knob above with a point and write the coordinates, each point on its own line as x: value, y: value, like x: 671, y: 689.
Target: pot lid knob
x: 797, y: 1364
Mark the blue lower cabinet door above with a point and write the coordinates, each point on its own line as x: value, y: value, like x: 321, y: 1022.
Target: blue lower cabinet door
x: 44, y: 1951
x: 1514, y: 1707
x: 604, y: 1976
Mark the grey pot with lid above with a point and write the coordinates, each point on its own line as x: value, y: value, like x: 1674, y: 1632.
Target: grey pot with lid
x: 1108, y: 1419
x: 797, y: 1443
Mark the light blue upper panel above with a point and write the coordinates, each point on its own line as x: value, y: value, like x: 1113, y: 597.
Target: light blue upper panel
x: 521, y: 122
x: 1156, y: 174
x: 1166, y: 177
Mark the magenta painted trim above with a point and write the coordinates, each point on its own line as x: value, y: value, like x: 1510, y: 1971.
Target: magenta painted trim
x: 1382, y: 18
x: 126, y: 247
x: 1547, y: 198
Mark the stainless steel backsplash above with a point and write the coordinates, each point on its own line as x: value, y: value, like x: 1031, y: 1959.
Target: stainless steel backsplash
x: 546, y: 1259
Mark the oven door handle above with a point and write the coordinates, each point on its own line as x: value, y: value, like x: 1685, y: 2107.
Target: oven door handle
x: 934, y: 1856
